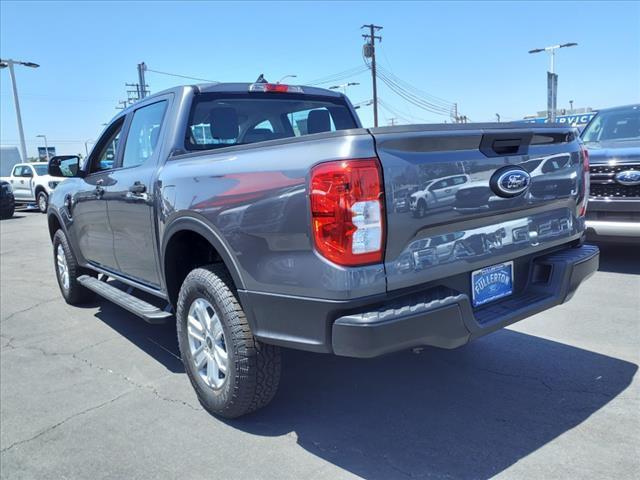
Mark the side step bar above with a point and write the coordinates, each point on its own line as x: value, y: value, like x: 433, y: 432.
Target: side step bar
x: 146, y: 311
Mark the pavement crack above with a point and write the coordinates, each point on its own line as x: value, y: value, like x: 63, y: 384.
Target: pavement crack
x: 25, y: 310
x: 62, y: 422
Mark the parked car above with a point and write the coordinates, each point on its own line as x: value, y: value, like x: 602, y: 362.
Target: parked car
x: 256, y: 215
x: 438, y: 192
x: 613, y: 140
x: 32, y: 183
x: 7, y: 201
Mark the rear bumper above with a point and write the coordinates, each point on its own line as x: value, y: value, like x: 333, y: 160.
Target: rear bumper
x: 438, y: 316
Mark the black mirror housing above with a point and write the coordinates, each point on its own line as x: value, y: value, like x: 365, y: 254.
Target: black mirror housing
x: 64, y: 166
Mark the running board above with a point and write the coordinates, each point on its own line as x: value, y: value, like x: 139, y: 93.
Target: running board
x: 149, y: 313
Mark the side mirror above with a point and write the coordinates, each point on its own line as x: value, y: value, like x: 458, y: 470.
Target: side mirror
x: 64, y: 166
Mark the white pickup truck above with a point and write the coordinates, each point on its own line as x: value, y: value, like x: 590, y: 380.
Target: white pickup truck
x: 31, y: 183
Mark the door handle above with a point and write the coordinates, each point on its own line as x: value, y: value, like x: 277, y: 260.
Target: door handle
x: 138, y: 187
x: 448, y: 190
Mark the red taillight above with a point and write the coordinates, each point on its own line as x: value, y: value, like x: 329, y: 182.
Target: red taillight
x: 275, y: 88
x: 585, y: 181
x: 347, y: 211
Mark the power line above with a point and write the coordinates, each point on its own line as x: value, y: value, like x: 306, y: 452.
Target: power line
x: 431, y: 98
x: 180, y: 76
x: 345, y: 74
x: 413, y: 99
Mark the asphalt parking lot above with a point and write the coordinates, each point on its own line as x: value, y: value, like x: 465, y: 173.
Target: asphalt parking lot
x: 94, y: 392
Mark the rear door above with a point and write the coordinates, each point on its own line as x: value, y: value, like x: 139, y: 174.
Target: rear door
x: 486, y: 228
x: 130, y: 195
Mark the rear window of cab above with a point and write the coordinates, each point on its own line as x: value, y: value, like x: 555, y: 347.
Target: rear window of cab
x: 223, y: 120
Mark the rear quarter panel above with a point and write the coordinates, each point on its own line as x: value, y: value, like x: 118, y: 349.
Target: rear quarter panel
x: 255, y: 199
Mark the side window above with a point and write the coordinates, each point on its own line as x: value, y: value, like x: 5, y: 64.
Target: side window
x: 143, y: 135
x: 107, y: 149
x: 26, y: 171
x: 438, y: 185
x: 459, y: 180
x: 17, y: 171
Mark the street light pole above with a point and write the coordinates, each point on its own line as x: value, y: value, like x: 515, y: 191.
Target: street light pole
x: 10, y: 63
x: 86, y: 148
x: 552, y: 78
x: 285, y: 77
x: 46, y: 146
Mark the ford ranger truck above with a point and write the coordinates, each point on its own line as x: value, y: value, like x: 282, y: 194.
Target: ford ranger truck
x: 31, y: 183
x: 613, y: 140
x: 260, y: 216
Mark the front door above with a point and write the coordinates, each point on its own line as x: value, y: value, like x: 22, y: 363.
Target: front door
x: 130, y: 198
x: 91, y: 223
x: 21, y: 181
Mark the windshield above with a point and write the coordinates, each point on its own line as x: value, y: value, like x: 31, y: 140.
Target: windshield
x: 41, y: 169
x: 224, y: 120
x: 614, y: 125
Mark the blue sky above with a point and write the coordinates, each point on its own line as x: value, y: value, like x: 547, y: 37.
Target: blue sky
x: 472, y: 53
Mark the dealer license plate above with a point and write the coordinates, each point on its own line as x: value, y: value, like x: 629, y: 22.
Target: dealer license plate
x: 491, y: 283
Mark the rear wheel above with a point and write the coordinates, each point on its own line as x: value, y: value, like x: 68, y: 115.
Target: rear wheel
x: 232, y: 372
x: 42, y: 200
x: 68, y: 271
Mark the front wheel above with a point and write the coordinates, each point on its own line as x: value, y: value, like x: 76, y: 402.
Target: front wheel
x: 43, y: 201
x: 68, y: 271
x: 232, y: 372
x: 7, y: 212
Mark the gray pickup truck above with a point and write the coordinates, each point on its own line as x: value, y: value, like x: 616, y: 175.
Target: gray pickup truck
x: 260, y: 216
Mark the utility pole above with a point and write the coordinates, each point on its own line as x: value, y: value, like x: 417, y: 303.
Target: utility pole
x: 370, y: 52
x: 142, y: 67
x: 393, y: 121
x: 10, y: 63
x: 552, y: 78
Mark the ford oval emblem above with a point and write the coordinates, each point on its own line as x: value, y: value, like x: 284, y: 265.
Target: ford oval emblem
x: 510, y: 181
x: 628, y: 177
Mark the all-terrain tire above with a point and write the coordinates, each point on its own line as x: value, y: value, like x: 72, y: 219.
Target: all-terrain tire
x: 73, y: 292
x: 253, y: 368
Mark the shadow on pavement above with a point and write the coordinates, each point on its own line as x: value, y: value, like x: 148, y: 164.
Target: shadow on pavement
x: 468, y: 413
x: 619, y: 258
x: 13, y: 217
x: 158, y: 341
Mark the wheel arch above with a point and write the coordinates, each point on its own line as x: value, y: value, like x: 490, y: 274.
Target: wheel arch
x: 189, y: 231
x: 54, y: 224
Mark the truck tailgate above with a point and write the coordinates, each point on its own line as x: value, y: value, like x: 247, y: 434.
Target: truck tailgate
x: 446, y: 213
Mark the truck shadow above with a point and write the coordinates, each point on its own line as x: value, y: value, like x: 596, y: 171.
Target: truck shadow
x: 468, y: 413
x: 465, y: 414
